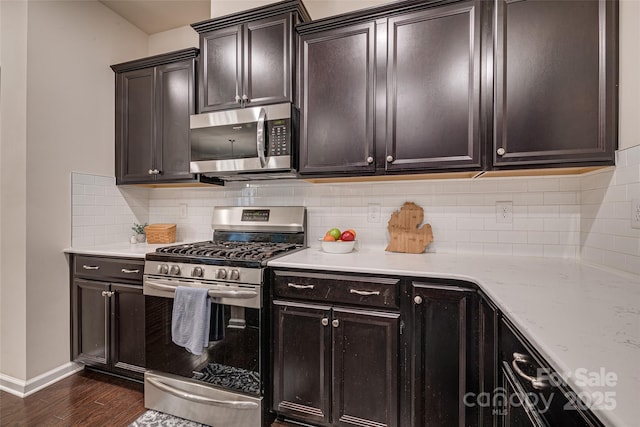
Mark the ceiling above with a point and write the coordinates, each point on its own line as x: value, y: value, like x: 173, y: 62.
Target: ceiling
x: 154, y: 16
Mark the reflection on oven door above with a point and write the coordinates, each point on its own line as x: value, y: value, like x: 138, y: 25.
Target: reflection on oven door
x: 197, y: 402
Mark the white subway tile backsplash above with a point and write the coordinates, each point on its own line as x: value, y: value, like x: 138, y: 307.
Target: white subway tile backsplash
x: 558, y: 216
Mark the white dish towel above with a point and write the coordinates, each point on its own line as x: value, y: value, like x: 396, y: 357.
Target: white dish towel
x: 190, y: 319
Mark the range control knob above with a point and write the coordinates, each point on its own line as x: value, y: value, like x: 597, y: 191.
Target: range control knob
x: 175, y: 270
x: 234, y: 275
x: 221, y: 273
x: 163, y: 269
x: 197, y: 272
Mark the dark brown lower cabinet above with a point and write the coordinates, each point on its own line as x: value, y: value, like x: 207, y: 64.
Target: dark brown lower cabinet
x: 335, y: 366
x: 534, y: 393
x: 443, y: 361
x: 108, y: 327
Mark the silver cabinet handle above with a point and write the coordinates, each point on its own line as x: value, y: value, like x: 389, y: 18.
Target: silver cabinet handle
x: 127, y: 271
x: 296, y: 286
x: 335, y: 323
x: 365, y: 293
x: 260, y: 136
x: 537, y: 383
x: 389, y: 159
x: 501, y: 151
x: 417, y: 299
x: 325, y: 321
x: 369, y: 159
x: 91, y: 267
x: 236, y: 404
x: 107, y: 293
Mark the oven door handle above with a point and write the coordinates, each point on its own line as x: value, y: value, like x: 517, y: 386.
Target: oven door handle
x: 212, y: 292
x: 236, y: 404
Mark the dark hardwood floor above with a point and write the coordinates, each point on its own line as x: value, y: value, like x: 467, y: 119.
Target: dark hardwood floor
x: 87, y: 399
x: 83, y: 399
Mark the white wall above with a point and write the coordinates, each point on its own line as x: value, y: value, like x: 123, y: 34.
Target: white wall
x: 629, y: 78
x: 13, y: 155
x: 61, y: 119
x: 176, y: 39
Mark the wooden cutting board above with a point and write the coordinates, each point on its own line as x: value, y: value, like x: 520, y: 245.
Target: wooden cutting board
x: 405, y: 232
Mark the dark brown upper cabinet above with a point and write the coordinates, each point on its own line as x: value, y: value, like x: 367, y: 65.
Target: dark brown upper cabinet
x: 154, y: 98
x: 249, y: 58
x: 555, y: 82
x: 337, y: 100
x: 394, y: 90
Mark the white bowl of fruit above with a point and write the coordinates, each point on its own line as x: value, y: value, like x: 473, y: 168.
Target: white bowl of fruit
x: 338, y: 242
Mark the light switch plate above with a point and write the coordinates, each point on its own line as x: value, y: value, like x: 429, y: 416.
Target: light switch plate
x: 373, y: 212
x: 504, y: 212
x: 635, y: 213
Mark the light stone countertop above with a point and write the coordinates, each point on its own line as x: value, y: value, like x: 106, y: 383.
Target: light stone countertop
x: 584, y: 320
x: 126, y: 250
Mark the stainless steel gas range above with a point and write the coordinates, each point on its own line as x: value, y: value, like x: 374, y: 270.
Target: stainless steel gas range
x: 225, y: 385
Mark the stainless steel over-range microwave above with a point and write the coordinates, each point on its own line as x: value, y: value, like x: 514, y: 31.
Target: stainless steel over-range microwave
x: 256, y: 142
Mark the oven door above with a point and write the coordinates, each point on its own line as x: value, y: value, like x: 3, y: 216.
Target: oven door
x: 223, y: 383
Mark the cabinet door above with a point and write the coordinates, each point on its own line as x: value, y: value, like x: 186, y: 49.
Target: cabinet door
x: 127, y: 330
x: 433, y: 89
x: 267, y: 76
x: 441, y: 355
x: 135, y: 126
x: 220, y: 69
x: 302, y: 361
x: 337, y: 101
x: 555, y: 82
x: 174, y: 104
x: 365, y: 368
x: 90, y: 323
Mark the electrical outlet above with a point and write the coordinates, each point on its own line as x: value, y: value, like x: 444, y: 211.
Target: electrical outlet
x: 635, y: 213
x: 183, y: 210
x: 373, y: 212
x: 504, y: 212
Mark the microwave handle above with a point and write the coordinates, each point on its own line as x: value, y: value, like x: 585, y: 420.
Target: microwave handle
x: 260, y: 137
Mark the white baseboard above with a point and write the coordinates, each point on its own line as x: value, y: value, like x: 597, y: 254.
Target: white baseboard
x: 23, y: 388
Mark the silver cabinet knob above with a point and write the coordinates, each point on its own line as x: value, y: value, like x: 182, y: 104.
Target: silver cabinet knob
x: 389, y: 159
x: 501, y: 151
x: 335, y: 323
x: 174, y: 270
x: 417, y: 299
x: 150, y: 172
x: 245, y: 97
x: 325, y: 321
x: 369, y: 159
x: 234, y: 275
x: 238, y: 99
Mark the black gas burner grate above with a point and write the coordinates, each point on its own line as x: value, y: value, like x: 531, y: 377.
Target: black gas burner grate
x: 254, y: 251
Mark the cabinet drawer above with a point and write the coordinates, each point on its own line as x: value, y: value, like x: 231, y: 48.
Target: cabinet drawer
x: 366, y: 291
x: 109, y: 269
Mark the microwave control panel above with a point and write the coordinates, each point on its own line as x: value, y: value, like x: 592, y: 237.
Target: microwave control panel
x: 279, y: 137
